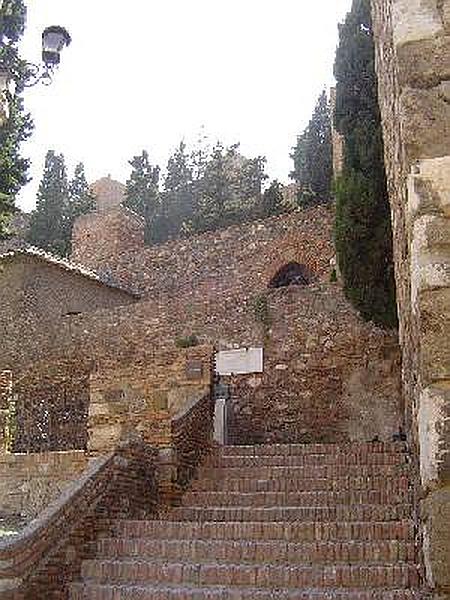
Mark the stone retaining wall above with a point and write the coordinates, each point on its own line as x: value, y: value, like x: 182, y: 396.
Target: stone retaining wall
x: 29, y: 482
x: 413, y: 64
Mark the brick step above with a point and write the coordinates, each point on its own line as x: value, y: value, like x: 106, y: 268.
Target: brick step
x: 292, y: 499
x: 274, y: 472
x: 264, y: 531
x: 273, y: 552
x: 297, y: 476
x: 396, y: 485
x: 365, y: 512
x: 264, y: 576
x: 295, y: 449
x: 92, y: 591
x: 299, y: 460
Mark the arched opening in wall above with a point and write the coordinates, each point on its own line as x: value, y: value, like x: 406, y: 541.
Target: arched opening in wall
x: 292, y: 273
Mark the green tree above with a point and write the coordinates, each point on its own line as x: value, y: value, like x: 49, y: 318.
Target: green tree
x: 272, y: 202
x: 49, y: 223
x: 142, y: 190
x: 312, y: 156
x: 363, y: 226
x: 178, y: 198
x: 81, y: 199
x: 18, y: 125
x: 229, y: 190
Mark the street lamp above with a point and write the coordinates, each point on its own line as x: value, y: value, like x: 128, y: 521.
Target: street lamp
x: 54, y: 40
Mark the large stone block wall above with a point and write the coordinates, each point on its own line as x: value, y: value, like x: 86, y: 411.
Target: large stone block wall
x: 29, y: 482
x: 413, y: 64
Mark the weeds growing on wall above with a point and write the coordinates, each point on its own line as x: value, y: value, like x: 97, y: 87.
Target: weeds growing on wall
x: 363, y: 232
x: 261, y: 312
x: 187, y: 342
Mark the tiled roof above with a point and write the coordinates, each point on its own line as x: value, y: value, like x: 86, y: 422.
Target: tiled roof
x: 65, y: 264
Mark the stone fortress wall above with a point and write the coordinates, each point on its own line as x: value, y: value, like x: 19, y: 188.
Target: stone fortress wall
x: 413, y: 64
x: 328, y: 375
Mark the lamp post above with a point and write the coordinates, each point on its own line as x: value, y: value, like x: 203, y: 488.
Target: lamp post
x: 54, y: 40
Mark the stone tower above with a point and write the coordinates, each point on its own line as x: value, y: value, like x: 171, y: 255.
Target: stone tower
x: 103, y: 236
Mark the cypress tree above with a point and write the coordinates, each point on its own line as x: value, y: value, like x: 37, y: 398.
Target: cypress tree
x: 49, y: 223
x: 272, y: 201
x: 312, y: 156
x: 81, y: 199
x: 18, y: 126
x: 363, y: 227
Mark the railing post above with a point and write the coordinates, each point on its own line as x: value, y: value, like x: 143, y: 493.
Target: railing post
x: 220, y: 421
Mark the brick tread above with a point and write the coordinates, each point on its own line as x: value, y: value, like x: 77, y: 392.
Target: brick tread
x: 257, y: 530
x: 265, y: 576
x: 272, y: 522
x: 297, y: 478
x: 239, y: 471
x: 333, y: 512
x: 91, y: 591
x: 293, y: 449
x: 275, y: 552
x: 310, y: 498
x: 298, y: 460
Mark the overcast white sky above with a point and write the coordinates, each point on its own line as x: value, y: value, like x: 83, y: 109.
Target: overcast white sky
x: 147, y: 73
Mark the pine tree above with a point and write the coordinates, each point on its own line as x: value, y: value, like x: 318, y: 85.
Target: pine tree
x: 49, y: 223
x: 312, y: 156
x: 18, y: 126
x: 142, y: 190
x: 363, y: 226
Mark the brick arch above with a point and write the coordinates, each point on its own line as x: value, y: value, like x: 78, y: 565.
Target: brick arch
x: 291, y: 273
x: 314, y: 254
x: 292, y: 249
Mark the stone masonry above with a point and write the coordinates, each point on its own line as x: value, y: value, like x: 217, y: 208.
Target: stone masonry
x: 413, y: 64
x: 115, y: 324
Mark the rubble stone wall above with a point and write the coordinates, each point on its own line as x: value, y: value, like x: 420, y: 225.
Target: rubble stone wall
x: 220, y: 262
x: 413, y: 64
x: 29, y: 482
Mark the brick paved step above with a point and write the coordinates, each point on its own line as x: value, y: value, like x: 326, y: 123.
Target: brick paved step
x: 300, y: 460
x: 91, y: 591
x: 269, y: 472
x: 264, y: 576
x: 397, y: 485
x: 295, y: 449
x: 368, y: 512
x: 293, y: 491
x: 248, y: 530
x: 273, y: 552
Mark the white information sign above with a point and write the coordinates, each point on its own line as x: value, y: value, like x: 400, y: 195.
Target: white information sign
x: 239, y: 362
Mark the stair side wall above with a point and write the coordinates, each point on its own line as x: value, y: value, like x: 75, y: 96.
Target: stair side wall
x: 413, y: 65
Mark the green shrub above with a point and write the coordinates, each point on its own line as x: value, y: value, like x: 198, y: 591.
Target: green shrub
x: 187, y: 342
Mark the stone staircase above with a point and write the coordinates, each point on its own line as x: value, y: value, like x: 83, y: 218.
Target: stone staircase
x: 281, y: 522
